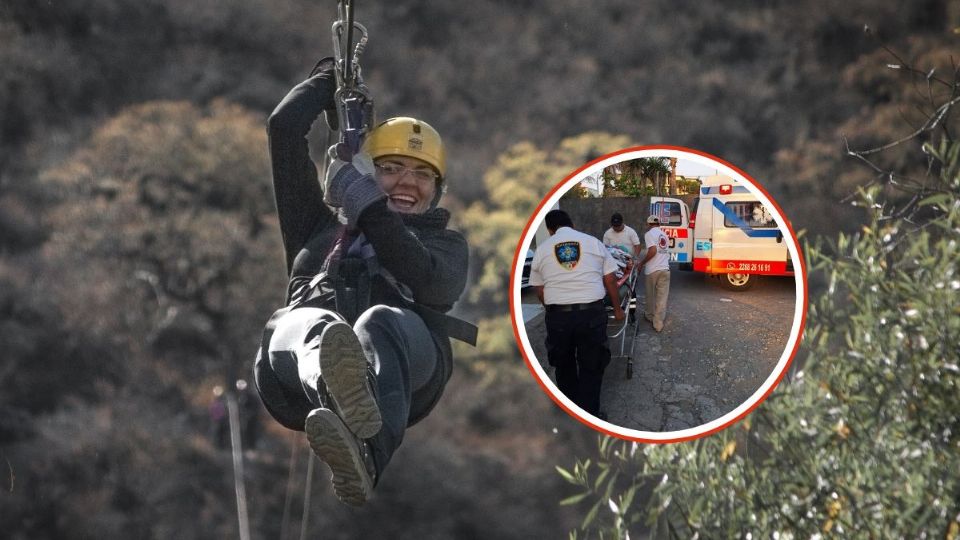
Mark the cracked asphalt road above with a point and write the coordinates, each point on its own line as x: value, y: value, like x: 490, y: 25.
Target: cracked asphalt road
x: 716, y: 349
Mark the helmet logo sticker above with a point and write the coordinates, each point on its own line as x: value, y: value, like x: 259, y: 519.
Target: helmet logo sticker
x: 568, y: 254
x: 414, y: 143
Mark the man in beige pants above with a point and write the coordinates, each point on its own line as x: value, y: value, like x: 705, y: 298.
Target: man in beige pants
x: 656, y: 267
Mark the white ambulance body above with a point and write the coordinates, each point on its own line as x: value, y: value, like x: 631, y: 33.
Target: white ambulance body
x: 729, y: 233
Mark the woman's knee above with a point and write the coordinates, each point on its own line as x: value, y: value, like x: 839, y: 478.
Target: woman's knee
x: 379, y: 316
x: 298, y: 327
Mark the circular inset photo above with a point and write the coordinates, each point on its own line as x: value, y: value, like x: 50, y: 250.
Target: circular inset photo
x: 658, y: 294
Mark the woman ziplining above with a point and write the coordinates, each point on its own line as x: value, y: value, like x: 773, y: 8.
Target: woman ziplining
x: 362, y: 351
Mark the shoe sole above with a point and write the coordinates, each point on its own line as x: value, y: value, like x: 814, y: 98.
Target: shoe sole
x: 343, y: 366
x: 333, y: 443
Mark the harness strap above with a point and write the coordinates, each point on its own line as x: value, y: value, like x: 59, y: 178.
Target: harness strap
x: 348, y: 282
x: 312, y: 291
x: 456, y: 328
x: 363, y: 249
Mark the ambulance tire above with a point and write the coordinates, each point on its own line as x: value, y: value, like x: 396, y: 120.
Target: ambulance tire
x: 738, y: 282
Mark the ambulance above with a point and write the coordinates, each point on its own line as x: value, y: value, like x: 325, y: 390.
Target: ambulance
x: 728, y: 233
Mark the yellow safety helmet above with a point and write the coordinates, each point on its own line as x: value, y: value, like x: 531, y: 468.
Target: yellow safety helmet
x: 404, y: 136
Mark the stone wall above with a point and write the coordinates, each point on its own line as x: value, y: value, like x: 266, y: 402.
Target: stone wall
x: 592, y: 215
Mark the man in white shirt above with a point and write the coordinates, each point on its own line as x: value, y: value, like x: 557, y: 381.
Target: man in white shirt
x: 570, y: 272
x: 656, y: 267
x: 622, y: 236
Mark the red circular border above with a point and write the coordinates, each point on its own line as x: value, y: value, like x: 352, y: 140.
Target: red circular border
x: 516, y: 328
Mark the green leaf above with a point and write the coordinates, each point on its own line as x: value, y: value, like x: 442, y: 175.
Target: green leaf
x: 574, y: 499
x: 628, y: 498
x: 940, y: 199
x: 600, y: 478
x: 566, y: 475
x: 591, y: 515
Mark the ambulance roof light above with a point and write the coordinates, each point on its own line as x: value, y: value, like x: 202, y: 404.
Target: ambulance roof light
x: 726, y: 189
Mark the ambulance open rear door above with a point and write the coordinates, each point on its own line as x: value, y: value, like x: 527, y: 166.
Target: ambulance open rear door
x: 674, y: 215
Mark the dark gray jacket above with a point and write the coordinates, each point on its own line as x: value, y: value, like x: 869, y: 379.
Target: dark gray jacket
x: 417, y: 249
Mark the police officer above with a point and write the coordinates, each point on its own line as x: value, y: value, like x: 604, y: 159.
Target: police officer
x: 570, y: 273
x: 656, y: 268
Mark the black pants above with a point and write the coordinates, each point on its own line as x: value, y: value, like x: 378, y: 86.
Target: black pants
x: 577, y: 348
x: 410, y: 369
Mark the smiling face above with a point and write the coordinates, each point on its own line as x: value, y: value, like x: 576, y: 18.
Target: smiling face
x: 410, y: 183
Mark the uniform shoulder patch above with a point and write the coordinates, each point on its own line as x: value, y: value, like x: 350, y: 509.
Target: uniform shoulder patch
x: 568, y: 254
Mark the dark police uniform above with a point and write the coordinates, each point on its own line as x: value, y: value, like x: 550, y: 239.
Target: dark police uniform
x: 570, y: 267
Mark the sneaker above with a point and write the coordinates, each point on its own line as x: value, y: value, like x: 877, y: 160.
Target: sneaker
x: 343, y: 367
x: 347, y: 456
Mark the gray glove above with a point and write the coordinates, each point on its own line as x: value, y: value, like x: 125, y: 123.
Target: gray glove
x: 351, y: 185
x: 342, y: 174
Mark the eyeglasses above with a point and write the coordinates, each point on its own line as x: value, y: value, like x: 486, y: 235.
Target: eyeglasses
x: 395, y: 170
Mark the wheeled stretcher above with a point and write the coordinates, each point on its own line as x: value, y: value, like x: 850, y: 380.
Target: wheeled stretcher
x: 626, y: 330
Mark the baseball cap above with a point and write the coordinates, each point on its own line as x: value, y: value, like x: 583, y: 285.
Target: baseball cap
x: 616, y: 219
x: 653, y: 220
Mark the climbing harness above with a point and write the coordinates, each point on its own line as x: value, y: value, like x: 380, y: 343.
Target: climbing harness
x: 347, y: 284
x: 355, y: 115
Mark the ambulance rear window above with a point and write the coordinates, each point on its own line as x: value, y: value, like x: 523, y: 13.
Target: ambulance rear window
x: 753, y: 213
x: 668, y: 212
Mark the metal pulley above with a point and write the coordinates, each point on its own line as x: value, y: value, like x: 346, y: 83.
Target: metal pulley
x: 355, y: 111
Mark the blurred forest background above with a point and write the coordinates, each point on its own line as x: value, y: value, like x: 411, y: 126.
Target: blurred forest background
x: 139, y: 254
